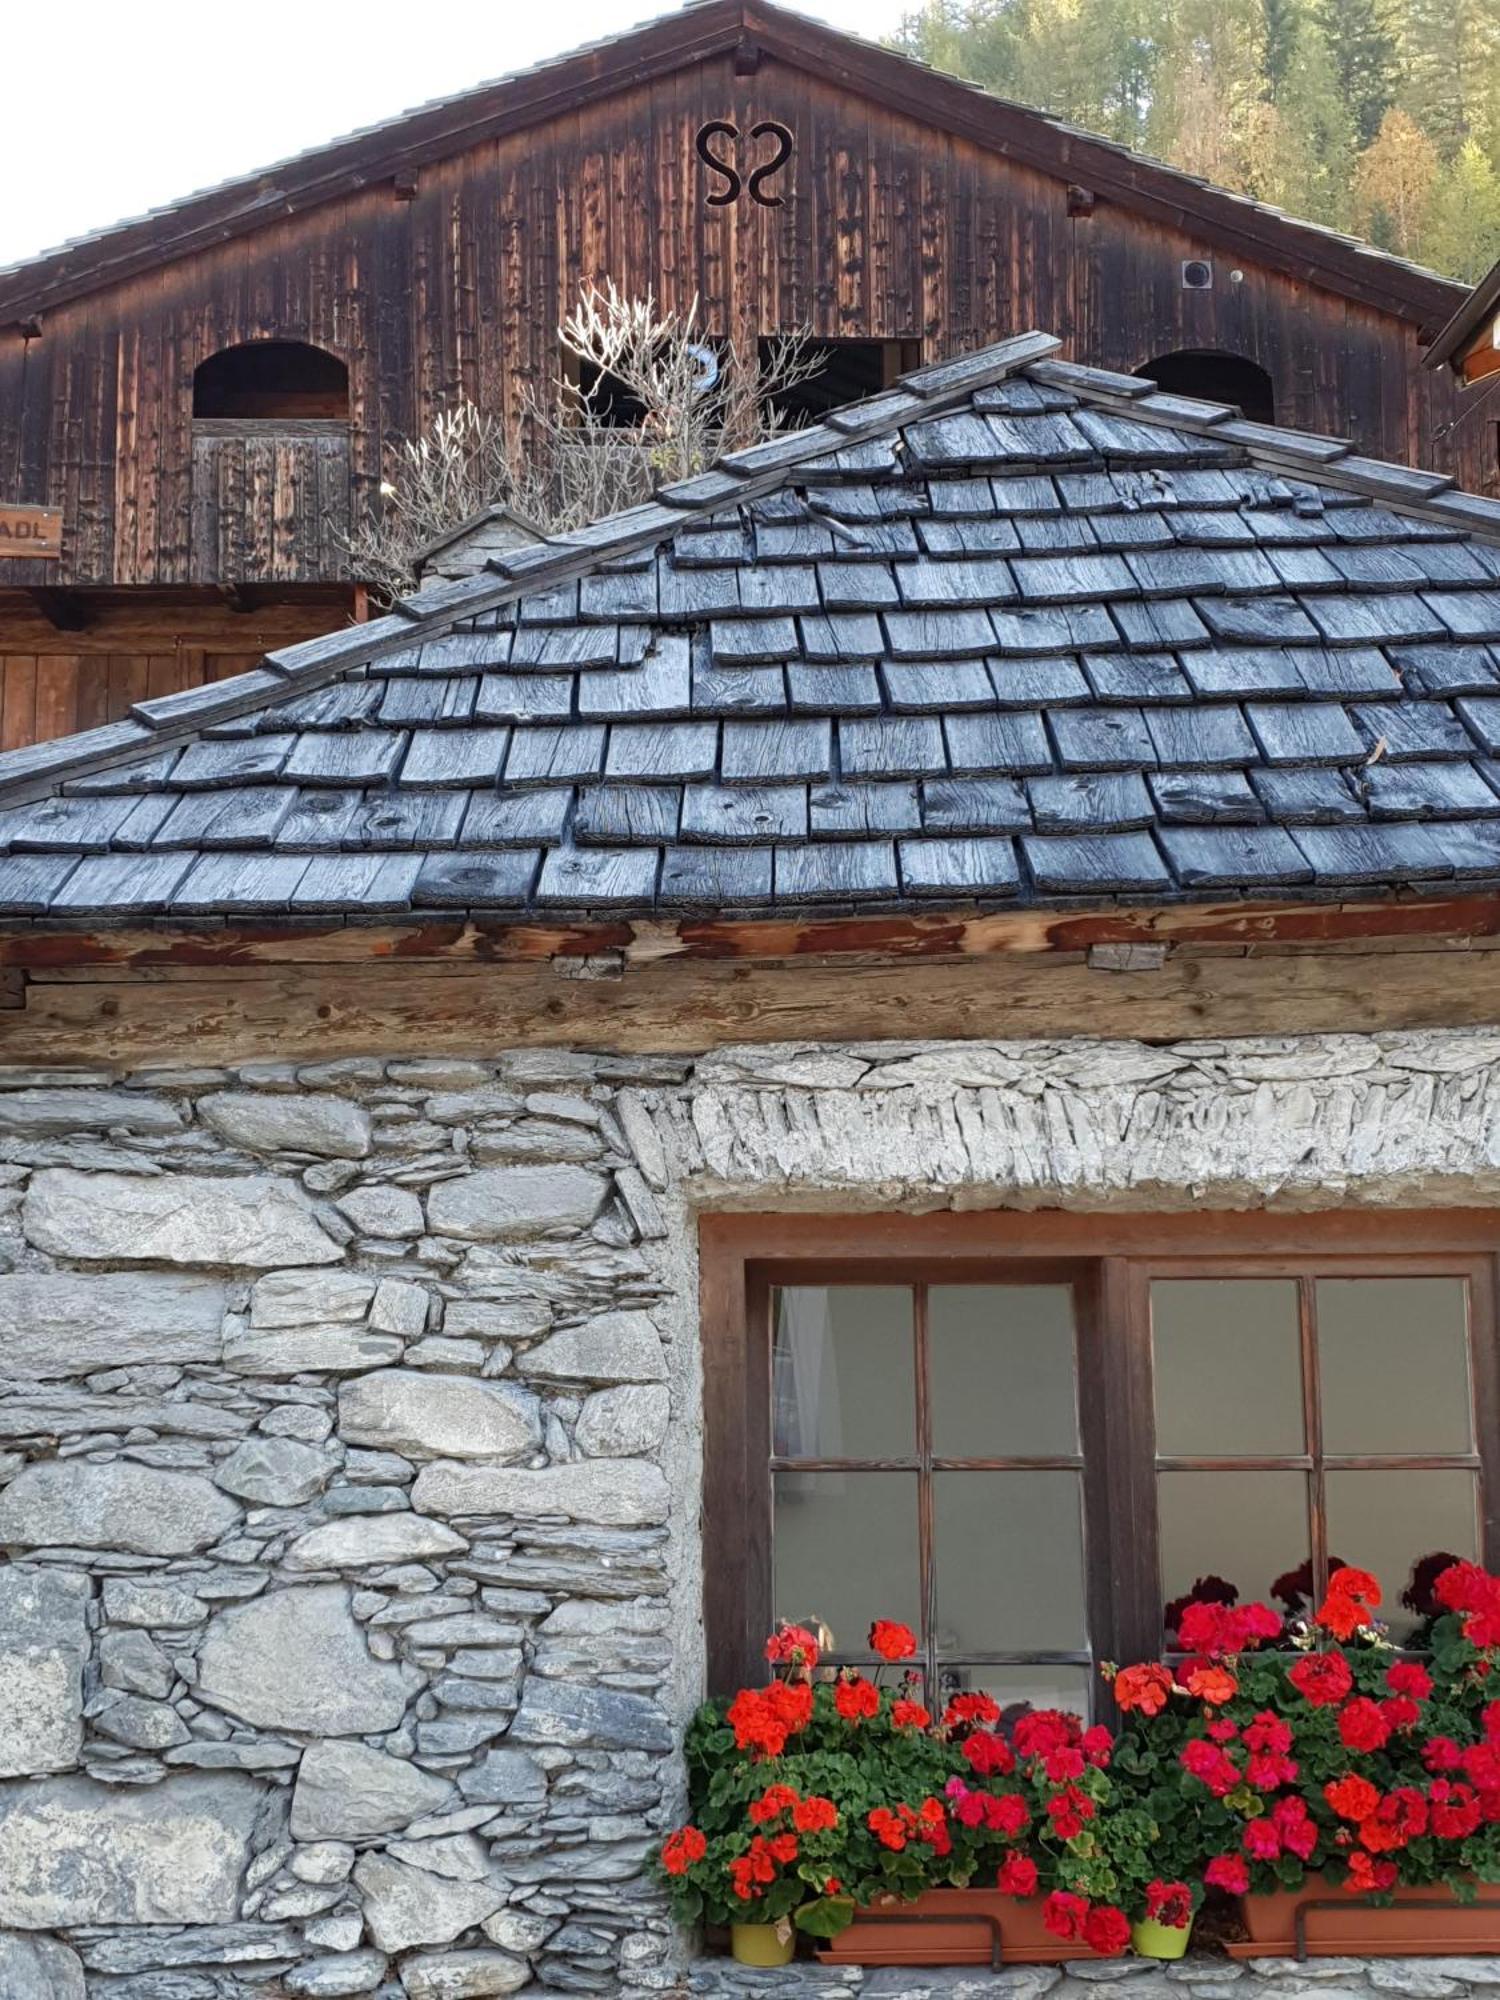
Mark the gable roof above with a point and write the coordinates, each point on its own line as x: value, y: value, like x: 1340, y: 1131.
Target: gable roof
x: 1013, y: 632
x: 1453, y: 341
x: 1306, y: 251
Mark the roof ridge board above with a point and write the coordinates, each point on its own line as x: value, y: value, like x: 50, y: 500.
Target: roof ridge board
x: 1345, y: 468
x: 696, y: 33
x: 311, y: 663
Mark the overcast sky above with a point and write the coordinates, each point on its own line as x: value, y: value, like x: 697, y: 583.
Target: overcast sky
x: 111, y: 108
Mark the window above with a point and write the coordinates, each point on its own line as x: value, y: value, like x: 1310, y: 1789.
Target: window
x: 1214, y: 376
x: 850, y: 370
x: 926, y: 1466
x: 1031, y: 1437
x: 267, y: 379
x: 1303, y: 1422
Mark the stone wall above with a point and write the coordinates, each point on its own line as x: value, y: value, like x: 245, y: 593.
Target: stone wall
x: 1198, y: 1977
x: 349, y: 1438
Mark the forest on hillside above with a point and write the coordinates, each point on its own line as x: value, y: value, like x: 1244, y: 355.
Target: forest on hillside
x: 1377, y: 116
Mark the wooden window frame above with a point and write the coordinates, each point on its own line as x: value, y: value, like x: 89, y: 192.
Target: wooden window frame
x: 1113, y: 1261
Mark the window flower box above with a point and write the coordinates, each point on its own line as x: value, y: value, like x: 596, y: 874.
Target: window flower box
x: 952, y: 1927
x: 1320, y: 1920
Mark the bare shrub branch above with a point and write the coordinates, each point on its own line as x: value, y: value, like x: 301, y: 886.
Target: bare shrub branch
x: 563, y: 462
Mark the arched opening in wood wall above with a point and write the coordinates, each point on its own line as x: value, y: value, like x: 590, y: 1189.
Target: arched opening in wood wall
x: 270, y: 379
x: 1215, y: 376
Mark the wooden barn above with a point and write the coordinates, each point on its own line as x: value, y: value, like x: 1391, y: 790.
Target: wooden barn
x: 195, y: 404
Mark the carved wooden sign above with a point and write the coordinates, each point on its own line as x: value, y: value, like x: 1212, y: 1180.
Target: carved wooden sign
x: 30, y: 532
x: 756, y: 181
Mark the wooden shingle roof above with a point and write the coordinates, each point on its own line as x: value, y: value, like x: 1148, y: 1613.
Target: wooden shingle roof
x: 1012, y: 633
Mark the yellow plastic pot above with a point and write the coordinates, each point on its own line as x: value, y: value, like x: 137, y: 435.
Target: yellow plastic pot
x: 1152, y: 1940
x: 762, y: 1944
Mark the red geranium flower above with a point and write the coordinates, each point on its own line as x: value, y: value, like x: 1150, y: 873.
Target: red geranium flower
x: 1407, y: 1678
x: 1260, y: 1840
x: 1352, y: 1597
x: 1044, y: 1731
x: 892, y: 1829
x: 1218, y: 1630
x: 1210, y: 1767
x: 1146, y: 1688
x: 909, y: 1715
x: 1322, y: 1678
x: 892, y: 1641
x: 1454, y: 1810
x: 792, y: 1646
x: 1063, y: 1914
x: 1098, y: 1746
x: 1267, y: 1734
x: 1400, y: 1712
x: 750, y: 1872
x: 681, y: 1849
x: 1441, y: 1753
x: 1366, y: 1877
x: 772, y: 1803
x: 763, y: 1718
x: 1106, y: 1930
x: 1228, y: 1871
x: 989, y: 1755
x: 815, y: 1815
x: 1298, y: 1832
x: 981, y: 1709
x: 1062, y: 1766
x: 1169, y: 1903
x: 1212, y: 1684
x: 856, y: 1699
x: 1352, y: 1798
x: 1362, y: 1726
x: 1017, y: 1876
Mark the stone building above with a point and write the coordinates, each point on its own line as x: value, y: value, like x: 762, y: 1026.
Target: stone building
x: 500, y: 1106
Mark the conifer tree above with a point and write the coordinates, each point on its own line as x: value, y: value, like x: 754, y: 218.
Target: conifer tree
x: 1462, y: 232
x: 1363, y: 43
x: 1288, y: 100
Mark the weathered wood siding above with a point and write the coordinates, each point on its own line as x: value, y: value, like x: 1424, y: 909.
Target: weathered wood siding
x: 52, y: 682
x: 887, y: 227
x: 270, y: 500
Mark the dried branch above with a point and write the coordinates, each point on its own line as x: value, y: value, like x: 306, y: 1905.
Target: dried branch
x: 564, y: 463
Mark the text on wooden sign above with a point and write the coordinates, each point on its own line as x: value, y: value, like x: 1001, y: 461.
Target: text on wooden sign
x: 30, y: 532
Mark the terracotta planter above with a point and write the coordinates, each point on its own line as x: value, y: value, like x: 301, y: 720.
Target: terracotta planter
x: 1422, y: 1923
x: 951, y: 1927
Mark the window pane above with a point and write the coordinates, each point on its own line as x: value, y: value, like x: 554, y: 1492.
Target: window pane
x: 1248, y: 1527
x: 1393, y: 1357
x: 1389, y: 1522
x: 1017, y: 1688
x: 1228, y: 1367
x: 1001, y: 1365
x: 845, y: 1551
x: 842, y: 1372
x: 1009, y: 1554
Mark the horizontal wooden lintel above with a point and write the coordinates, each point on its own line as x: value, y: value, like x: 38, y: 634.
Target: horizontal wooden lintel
x: 1246, y: 925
